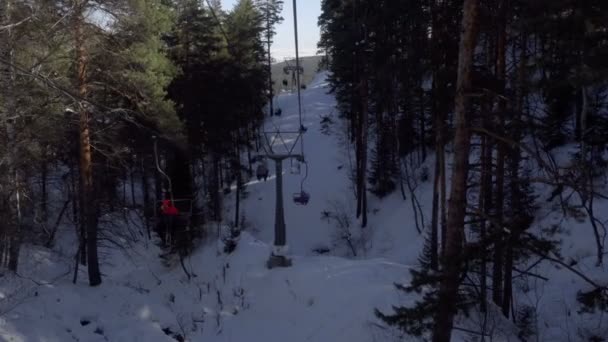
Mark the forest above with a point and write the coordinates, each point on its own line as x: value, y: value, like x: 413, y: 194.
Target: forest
x: 496, y: 105
x: 96, y: 93
x: 455, y: 151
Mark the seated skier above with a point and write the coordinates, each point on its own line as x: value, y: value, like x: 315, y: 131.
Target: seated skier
x: 262, y: 172
x: 169, y: 212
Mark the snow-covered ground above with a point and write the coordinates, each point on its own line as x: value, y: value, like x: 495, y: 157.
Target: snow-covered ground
x: 328, y: 297
x: 233, y: 297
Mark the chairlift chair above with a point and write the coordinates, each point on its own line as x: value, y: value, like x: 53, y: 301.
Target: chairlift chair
x: 295, y: 168
x: 184, y: 205
x: 183, y: 220
x: 301, y: 198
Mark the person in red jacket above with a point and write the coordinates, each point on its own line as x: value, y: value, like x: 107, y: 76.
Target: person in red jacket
x: 167, y: 208
x: 169, y: 212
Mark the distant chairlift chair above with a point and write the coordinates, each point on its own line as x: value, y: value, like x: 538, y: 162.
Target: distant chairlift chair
x: 302, y: 197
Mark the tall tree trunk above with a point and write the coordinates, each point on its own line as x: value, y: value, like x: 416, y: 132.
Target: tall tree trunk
x: 434, y: 219
x: 4, y: 86
x: 14, y: 174
x: 215, y: 188
x: 356, y: 116
x: 358, y: 153
x: 237, y: 173
x: 498, y: 270
x: 145, y: 190
x: 448, y: 290
x: 76, y: 211
x: 363, y: 162
x: 484, y: 205
x: 439, y: 93
x: 485, y: 189
x: 588, y: 195
x: 422, y: 128
x: 132, y: 182
x: 514, y: 164
x: 89, y: 209
x: 442, y: 187
x: 438, y: 142
x: 44, y: 171
x: 124, y: 187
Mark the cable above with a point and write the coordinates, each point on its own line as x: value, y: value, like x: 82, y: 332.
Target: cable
x: 160, y: 170
x: 295, y: 30
x: 219, y: 23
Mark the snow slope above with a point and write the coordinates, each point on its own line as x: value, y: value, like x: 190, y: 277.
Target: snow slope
x: 392, y: 233
x: 232, y: 297
x: 327, y: 297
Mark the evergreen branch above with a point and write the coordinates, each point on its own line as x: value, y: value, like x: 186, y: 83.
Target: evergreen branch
x: 10, y: 26
x: 523, y: 272
x: 77, y: 98
x: 565, y: 265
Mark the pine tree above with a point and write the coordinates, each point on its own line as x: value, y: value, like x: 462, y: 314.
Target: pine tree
x: 271, y: 12
x: 11, y: 233
x: 448, y: 290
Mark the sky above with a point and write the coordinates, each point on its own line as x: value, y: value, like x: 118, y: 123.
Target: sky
x: 308, y: 30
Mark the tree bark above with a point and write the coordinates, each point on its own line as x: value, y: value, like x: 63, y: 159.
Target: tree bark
x: 435, y: 218
x: 448, y: 290
x: 237, y: 172
x: 89, y: 210
x: 358, y: 152
x: 44, y: 171
x: 498, y: 269
x: 514, y: 164
x: 438, y: 142
x: 14, y: 174
x: 132, y: 182
x: 363, y: 162
x: 483, y: 205
x: 215, y: 188
x: 442, y: 189
x: 145, y: 190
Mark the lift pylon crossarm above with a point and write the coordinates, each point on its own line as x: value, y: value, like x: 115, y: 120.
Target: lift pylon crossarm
x: 283, y: 156
x: 288, y: 148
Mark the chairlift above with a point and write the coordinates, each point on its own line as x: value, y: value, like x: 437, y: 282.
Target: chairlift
x: 302, y: 197
x: 172, y: 225
x: 184, y: 205
x: 295, y: 167
x: 278, y: 111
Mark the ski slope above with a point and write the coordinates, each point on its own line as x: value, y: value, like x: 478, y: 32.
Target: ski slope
x: 232, y: 297
x: 392, y: 233
x: 322, y: 297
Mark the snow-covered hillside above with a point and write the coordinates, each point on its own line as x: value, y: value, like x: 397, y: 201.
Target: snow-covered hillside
x: 233, y: 297
x: 329, y: 294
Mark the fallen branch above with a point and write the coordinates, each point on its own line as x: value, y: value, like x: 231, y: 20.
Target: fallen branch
x: 521, y: 272
x: 568, y: 267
